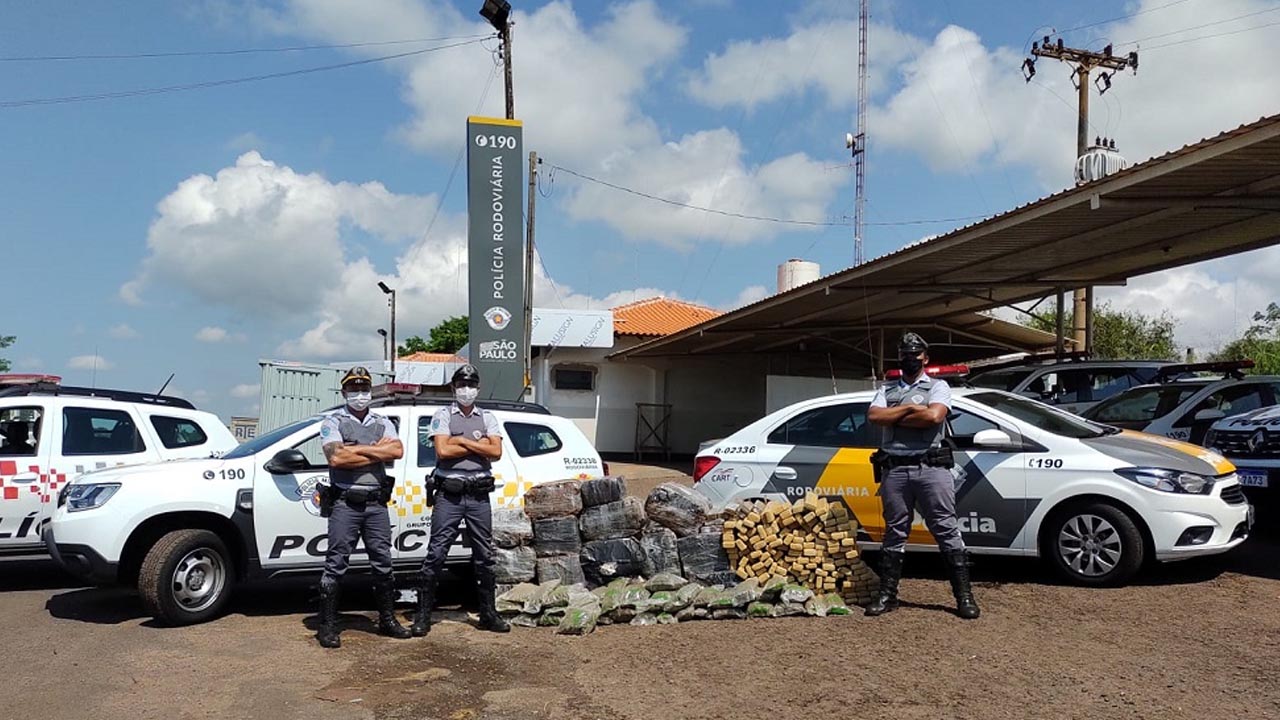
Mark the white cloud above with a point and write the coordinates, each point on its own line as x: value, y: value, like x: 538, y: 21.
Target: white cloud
x: 749, y: 295
x: 246, y: 391
x: 819, y: 56
x: 235, y: 238
x: 124, y: 332
x: 579, y: 90
x: 956, y: 86
x: 89, y: 362
x: 214, y: 334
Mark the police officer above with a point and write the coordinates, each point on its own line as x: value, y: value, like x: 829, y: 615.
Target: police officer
x: 357, y: 444
x: 915, y: 470
x: 467, y: 441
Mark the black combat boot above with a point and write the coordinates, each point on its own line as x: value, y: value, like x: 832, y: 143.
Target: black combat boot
x: 387, y: 623
x: 489, y: 618
x: 890, y: 573
x: 327, y: 635
x: 958, y: 563
x: 426, y: 603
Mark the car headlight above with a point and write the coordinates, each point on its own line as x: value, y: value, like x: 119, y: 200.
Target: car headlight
x: 1174, y: 481
x: 89, y: 495
x: 1209, y: 438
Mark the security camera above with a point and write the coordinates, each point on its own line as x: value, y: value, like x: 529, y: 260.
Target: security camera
x: 848, y: 140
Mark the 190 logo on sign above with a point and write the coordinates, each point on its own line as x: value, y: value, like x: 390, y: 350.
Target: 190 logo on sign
x: 502, y: 142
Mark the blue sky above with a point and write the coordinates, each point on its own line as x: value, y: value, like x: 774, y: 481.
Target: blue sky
x: 196, y: 232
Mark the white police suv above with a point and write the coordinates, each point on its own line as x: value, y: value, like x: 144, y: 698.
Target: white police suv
x: 1251, y: 440
x: 1031, y: 480
x: 185, y: 532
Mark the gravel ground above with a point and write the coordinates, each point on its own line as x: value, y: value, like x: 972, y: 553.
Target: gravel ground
x: 1193, y: 640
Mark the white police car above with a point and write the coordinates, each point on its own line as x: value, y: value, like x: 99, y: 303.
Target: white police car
x: 1031, y: 480
x: 1252, y: 441
x: 186, y: 532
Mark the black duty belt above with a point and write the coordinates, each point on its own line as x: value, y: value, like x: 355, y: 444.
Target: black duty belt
x: 903, y: 460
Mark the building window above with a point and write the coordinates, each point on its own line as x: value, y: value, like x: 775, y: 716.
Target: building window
x: 571, y: 378
x: 178, y: 432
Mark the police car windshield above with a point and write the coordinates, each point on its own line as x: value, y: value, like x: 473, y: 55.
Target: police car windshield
x: 1143, y: 404
x: 262, y: 442
x: 1037, y: 414
x: 999, y: 379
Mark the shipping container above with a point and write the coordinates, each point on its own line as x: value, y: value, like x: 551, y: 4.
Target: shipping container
x: 293, y: 391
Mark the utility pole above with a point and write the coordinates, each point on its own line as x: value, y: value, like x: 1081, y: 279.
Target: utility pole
x: 392, y: 302
x: 860, y: 142
x: 528, y: 273
x: 1084, y: 62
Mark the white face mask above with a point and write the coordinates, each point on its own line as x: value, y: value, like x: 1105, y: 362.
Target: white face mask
x: 466, y: 396
x: 359, y: 401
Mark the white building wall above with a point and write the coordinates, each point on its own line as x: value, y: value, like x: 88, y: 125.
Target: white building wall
x: 783, y: 390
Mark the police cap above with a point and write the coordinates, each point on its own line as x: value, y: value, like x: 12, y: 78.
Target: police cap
x: 912, y: 344
x: 466, y: 375
x: 357, y: 374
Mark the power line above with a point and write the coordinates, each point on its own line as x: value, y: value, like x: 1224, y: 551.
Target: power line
x: 1122, y: 17
x: 1198, y: 27
x: 1214, y: 35
x: 760, y: 218
x: 236, y: 51
x: 219, y: 83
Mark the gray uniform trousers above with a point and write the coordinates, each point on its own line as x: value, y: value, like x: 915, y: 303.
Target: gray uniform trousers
x: 933, y: 489
x: 449, y: 511
x: 347, y: 525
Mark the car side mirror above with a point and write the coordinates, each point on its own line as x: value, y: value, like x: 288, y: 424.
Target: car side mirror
x: 1209, y: 415
x: 287, y: 462
x: 992, y: 440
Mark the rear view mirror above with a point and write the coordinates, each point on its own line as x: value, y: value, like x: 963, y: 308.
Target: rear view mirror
x: 287, y: 462
x: 992, y: 439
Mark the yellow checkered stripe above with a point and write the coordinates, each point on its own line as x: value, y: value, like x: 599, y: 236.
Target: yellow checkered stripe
x: 411, y: 497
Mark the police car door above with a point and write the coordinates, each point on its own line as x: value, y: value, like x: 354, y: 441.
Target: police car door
x: 991, y: 488
x: 23, y: 503
x: 286, y: 503
x: 411, y: 518
x: 827, y: 450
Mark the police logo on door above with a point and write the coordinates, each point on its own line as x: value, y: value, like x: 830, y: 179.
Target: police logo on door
x: 309, y: 494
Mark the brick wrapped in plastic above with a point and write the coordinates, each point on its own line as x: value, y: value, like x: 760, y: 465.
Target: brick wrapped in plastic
x: 738, y: 596
x: 677, y: 507
x: 520, y: 597
x: 619, y: 519
x: 603, y: 490
x: 565, y: 568
x: 824, y: 605
x: 787, y: 610
x: 760, y: 610
x: 683, y: 597
x: 511, y: 528
x: 659, y: 545
x: 701, y: 557
x: 665, y: 581
x: 604, y: 560
x: 514, y: 565
x: 557, y: 499
x: 556, y: 536
x: 729, y: 614
x: 693, y: 613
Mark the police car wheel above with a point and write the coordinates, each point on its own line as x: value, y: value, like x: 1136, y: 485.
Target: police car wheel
x: 1094, y: 544
x: 186, y: 577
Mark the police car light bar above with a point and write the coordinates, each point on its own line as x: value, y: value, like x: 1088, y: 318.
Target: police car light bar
x: 29, y: 379
x: 938, y: 371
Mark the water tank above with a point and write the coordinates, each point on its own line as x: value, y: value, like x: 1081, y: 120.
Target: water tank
x: 794, y: 273
x: 1098, y: 162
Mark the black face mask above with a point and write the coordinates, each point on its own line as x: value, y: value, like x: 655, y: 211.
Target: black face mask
x: 910, y: 365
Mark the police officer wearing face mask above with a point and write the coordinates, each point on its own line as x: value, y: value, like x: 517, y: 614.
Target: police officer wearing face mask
x: 467, y: 441
x: 357, y: 444
x: 914, y: 469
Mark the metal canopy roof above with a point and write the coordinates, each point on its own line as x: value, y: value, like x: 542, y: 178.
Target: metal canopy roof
x: 1215, y: 198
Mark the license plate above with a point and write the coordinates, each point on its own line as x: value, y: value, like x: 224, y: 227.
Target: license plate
x: 1253, y: 478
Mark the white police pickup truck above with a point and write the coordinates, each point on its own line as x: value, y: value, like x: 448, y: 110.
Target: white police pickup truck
x: 186, y: 532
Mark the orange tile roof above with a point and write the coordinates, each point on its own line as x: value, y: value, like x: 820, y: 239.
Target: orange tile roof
x: 659, y: 316
x: 429, y: 357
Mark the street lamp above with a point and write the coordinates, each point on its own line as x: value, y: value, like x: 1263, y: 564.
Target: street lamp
x: 498, y: 13
x: 392, y: 293
x: 383, y: 333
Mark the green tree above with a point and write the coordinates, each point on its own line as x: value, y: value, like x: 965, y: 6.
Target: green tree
x: 1121, y: 334
x: 1260, y: 343
x: 447, y: 337
x: 414, y: 344
x: 5, y: 341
